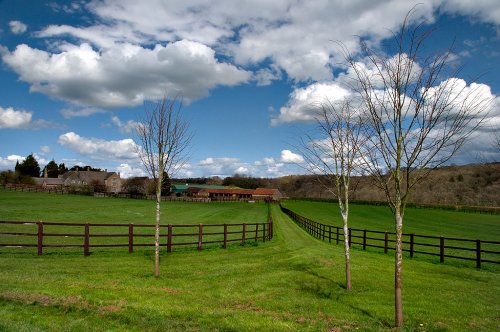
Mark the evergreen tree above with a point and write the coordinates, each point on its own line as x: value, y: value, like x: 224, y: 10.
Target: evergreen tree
x: 29, y: 167
x: 52, y: 169
x: 62, y: 169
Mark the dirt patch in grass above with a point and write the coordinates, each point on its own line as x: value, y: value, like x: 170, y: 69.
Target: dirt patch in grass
x: 34, y: 298
x: 170, y: 290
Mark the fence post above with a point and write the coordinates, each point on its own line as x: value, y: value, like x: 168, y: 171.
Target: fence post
x: 478, y: 254
x: 350, y: 237
x: 329, y: 234
x: 243, y: 237
x: 225, y: 236
x: 256, y: 231
x: 364, y: 239
x: 337, y: 235
x: 264, y: 232
x: 386, y: 242
x: 412, y: 242
x: 130, y: 238
x: 169, y: 238
x: 200, y: 236
x: 323, y: 231
x: 441, y: 249
x: 40, y: 238
x: 86, y: 240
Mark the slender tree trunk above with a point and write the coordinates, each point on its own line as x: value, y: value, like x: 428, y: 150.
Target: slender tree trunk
x: 347, y: 252
x: 157, y: 230
x: 398, y: 298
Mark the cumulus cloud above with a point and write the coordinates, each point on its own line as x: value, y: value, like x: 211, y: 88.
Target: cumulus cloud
x: 143, y: 52
x: 288, y: 156
x: 10, y: 161
x: 227, y: 166
x: 10, y: 118
x: 124, y: 74
x: 99, y: 149
x: 17, y: 27
x: 485, y: 11
x: 125, y: 127
x: 302, y: 103
x: 128, y: 171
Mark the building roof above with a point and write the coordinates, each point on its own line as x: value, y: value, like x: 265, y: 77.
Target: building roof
x: 88, y: 176
x: 48, y: 181
x: 265, y: 191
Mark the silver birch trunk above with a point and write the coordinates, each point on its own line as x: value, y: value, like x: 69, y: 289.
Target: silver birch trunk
x: 157, y: 226
x: 398, y: 297
x: 347, y: 251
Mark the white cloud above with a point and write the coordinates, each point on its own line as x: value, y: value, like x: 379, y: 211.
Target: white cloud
x: 302, y: 103
x: 123, y: 74
x: 484, y: 10
x: 10, y: 161
x: 99, y: 149
x: 128, y: 171
x: 10, y: 118
x: 227, y: 166
x: 69, y: 113
x: 288, y: 156
x: 17, y: 27
x: 45, y: 149
x: 128, y: 127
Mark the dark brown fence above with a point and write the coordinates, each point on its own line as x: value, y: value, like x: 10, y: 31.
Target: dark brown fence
x: 93, y: 236
x: 479, y: 251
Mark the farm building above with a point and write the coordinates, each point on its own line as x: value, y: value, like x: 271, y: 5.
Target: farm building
x: 101, y: 180
x: 234, y: 194
x: 267, y: 193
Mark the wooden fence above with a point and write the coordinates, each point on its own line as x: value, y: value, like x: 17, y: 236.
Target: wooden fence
x: 95, y: 236
x: 479, y: 251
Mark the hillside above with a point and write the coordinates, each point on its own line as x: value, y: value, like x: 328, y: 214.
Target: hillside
x: 473, y: 185
x: 470, y: 185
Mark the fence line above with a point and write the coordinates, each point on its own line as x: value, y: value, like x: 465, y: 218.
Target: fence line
x: 415, y: 243
x: 66, y: 190
x: 194, y: 234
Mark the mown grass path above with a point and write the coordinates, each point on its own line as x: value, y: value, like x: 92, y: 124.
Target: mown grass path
x: 293, y: 283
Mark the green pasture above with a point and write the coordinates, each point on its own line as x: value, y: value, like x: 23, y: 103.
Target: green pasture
x: 292, y: 283
x: 416, y: 220
x: 26, y: 206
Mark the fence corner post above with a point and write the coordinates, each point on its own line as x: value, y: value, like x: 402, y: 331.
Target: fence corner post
x: 386, y: 242
x: 225, y: 236
x: 169, y: 238
x: 441, y: 249
x: 412, y: 243
x: 86, y: 240
x: 40, y: 238
x: 130, y: 238
x: 478, y: 254
x: 200, y: 236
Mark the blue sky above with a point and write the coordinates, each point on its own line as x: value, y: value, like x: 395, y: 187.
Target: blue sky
x: 74, y: 75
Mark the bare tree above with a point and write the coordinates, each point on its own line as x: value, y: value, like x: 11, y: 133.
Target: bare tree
x: 418, y: 118
x: 164, y: 138
x: 332, y: 152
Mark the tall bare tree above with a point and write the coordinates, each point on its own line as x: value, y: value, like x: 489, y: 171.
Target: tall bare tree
x: 332, y: 152
x: 164, y: 138
x: 419, y: 116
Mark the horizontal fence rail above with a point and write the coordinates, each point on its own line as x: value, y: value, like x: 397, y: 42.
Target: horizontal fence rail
x: 102, y: 235
x: 479, y: 251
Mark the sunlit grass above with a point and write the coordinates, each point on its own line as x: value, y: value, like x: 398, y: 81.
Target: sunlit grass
x: 293, y: 283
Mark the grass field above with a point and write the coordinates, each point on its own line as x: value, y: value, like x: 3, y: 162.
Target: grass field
x: 419, y: 221
x: 293, y: 283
